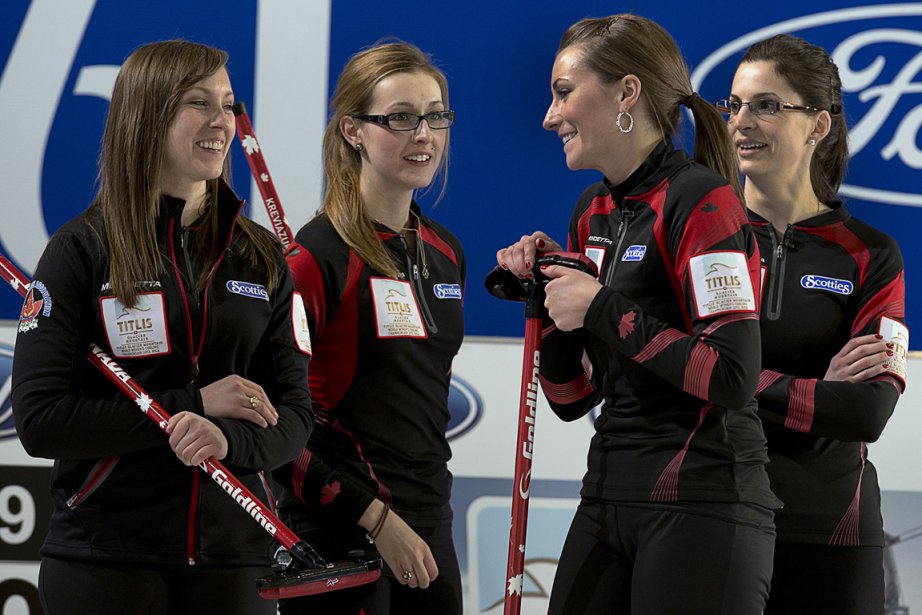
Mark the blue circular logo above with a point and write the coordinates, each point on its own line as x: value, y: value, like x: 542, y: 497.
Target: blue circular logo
x: 7, y: 427
x: 464, y: 407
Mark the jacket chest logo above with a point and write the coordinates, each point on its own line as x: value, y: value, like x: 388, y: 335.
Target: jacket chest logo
x: 833, y: 285
x: 248, y: 289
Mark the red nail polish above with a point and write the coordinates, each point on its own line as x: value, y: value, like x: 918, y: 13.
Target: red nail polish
x: 889, y: 353
x: 527, y: 265
x: 886, y: 366
x: 539, y: 243
x: 879, y: 336
x: 505, y: 266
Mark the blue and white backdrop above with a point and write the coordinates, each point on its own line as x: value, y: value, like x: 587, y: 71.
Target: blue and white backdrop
x: 59, y: 58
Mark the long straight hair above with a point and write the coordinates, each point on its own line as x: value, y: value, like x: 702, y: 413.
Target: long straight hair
x: 629, y: 44
x: 145, y: 99
x: 342, y: 200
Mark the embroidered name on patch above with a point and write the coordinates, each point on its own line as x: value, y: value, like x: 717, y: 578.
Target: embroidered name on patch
x: 33, y: 307
x: 447, y: 291
x: 833, y: 285
x: 721, y: 283
x: 248, y: 289
x: 634, y: 253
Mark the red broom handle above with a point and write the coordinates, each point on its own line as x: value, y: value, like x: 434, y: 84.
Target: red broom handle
x: 261, y: 174
x: 300, y: 550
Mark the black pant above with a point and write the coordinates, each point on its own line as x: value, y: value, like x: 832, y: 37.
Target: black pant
x: 70, y: 587
x: 701, y: 559
x: 386, y: 596
x: 821, y: 580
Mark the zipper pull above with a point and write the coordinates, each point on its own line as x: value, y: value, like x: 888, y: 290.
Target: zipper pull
x: 415, y: 272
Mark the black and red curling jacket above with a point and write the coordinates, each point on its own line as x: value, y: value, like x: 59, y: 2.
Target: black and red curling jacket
x: 380, y: 375
x: 119, y: 492
x: 670, y: 344
x: 825, y: 280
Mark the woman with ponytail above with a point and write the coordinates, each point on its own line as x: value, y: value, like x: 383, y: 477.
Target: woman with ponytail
x: 676, y: 510
x: 834, y: 337
x: 383, y: 286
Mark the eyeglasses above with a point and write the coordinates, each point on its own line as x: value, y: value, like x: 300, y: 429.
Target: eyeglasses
x: 437, y: 120
x: 759, y: 106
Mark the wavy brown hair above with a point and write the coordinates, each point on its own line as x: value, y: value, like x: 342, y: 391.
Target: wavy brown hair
x: 342, y: 200
x: 628, y: 44
x: 145, y: 99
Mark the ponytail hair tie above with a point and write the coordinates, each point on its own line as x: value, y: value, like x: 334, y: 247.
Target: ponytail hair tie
x: 688, y: 100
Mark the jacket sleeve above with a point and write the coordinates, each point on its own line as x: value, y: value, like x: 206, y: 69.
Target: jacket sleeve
x: 58, y: 406
x: 717, y: 356
x: 856, y: 412
x: 565, y: 373
x: 279, y: 365
x: 318, y: 485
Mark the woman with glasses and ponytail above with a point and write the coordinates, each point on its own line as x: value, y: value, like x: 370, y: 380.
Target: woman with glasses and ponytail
x: 383, y: 287
x: 676, y: 511
x: 834, y: 340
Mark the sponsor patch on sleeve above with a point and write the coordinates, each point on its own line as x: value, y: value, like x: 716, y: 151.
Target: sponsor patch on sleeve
x: 139, y: 331
x: 721, y: 284
x: 299, y: 326
x: 896, y: 333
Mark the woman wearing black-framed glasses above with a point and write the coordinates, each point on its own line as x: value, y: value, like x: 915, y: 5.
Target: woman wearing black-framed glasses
x: 383, y: 286
x: 833, y: 334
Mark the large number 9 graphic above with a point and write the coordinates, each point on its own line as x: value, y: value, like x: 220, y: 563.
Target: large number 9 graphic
x: 17, y: 512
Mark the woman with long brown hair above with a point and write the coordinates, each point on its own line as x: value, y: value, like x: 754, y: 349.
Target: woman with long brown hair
x: 195, y: 302
x: 833, y: 329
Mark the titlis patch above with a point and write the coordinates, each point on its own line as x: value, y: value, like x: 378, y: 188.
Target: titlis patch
x: 248, y: 289
x: 34, y: 306
x: 833, y: 285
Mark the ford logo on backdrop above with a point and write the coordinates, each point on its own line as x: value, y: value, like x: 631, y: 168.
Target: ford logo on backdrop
x: 464, y: 406
x: 878, y: 50
x: 7, y: 427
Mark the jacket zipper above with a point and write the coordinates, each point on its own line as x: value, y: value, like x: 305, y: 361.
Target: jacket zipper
x: 417, y: 283
x: 776, y: 285
x: 194, y: 354
x: 626, y: 216
x: 94, y: 481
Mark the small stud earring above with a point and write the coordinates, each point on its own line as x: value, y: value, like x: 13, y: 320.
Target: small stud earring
x: 811, y: 142
x: 358, y: 147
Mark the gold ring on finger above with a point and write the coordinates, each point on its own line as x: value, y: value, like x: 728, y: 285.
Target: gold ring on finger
x: 254, y: 402
x: 407, y: 575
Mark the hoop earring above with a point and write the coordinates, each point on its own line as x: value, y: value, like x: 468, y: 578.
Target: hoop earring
x: 618, y: 122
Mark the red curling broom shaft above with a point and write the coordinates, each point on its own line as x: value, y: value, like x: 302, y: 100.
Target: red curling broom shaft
x: 261, y: 175
x: 299, y: 550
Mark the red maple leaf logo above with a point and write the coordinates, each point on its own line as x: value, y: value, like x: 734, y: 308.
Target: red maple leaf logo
x: 329, y: 492
x: 626, y: 326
